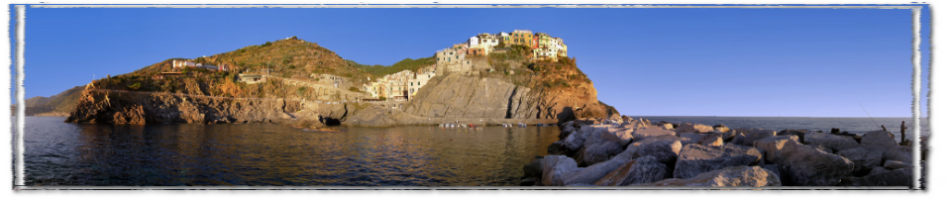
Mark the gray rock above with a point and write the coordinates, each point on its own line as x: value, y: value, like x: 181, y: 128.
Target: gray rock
x: 834, y: 142
x: 595, y: 172
x: 807, y: 166
x: 618, y: 134
x: 713, y: 140
x: 600, y: 152
x: 880, y: 139
x: 877, y: 170
x: 798, y: 132
x: 864, y: 160
x: 594, y: 134
x: 556, y: 168
x: 721, y: 129
x: 694, y: 128
x: 753, y: 176
x: 580, y: 184
x: 893, y: 164
x: 690, y: 138
x: 776, y: 148
x: 534, y: 169
x: 897, y: 177
x: 696, y: 159
x: 530, y: 181
x: 666, y: 126
x: 757, y: 135
x: 747, y: 136
x: 647, y: 132
x: 821, y: 148
x: 899, y: 153
x: 574, y: 141
x: 646, y: 169
x: 773, y: 169
x: 664, y: 148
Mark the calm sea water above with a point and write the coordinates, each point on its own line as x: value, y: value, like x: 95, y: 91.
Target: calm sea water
x: 58, y: 153
x: 261, y: 154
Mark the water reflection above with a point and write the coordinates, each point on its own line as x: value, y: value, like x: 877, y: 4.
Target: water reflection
x: 260, y: 154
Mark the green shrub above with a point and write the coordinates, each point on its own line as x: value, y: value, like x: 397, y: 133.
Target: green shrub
x: 135, y: 86
x: 354, y: 89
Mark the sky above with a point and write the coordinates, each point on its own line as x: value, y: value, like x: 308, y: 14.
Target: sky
x: 645, y: 62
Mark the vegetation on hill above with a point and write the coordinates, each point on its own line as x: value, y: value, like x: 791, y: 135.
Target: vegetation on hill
x: 516, y: 67
x: 405, y: 64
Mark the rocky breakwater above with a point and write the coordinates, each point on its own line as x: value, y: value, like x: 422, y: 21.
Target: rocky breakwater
x: 627, y: 152
x: 485, y: 100
x: 112, y: 107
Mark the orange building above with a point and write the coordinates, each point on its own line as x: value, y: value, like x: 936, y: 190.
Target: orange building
x: 476, y: 51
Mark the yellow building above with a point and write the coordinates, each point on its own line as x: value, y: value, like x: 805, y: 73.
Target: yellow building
x: 521, y: 37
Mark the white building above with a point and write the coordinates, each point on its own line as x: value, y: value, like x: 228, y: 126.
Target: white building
x: 182, y: 64
x: 473, y: 41
x: 420, y: 79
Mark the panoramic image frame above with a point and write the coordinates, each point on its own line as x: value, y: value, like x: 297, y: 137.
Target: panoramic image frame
x: 419, y: 113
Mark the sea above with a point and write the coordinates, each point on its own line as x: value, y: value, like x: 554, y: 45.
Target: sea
x: 64, y: 154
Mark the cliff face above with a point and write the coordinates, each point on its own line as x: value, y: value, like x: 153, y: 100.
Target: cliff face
x: 161, y: 108
x: 457, y: 96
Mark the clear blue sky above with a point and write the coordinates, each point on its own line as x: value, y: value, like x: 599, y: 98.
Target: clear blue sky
x: 662, y: 62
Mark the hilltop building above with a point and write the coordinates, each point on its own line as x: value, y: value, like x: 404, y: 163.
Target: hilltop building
x: 542, y: 46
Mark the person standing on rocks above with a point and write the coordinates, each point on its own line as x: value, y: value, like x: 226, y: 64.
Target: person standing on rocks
x: 903, y: 132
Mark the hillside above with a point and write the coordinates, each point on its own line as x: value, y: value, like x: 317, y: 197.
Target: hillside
x: 55, y: 105
x: 504, y: 87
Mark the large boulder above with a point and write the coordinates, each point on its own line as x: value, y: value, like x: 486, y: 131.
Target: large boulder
x: 696, y: 159
x: 596, y: 153
x: 694, y: 128
x: 646, y: 169
x: 747, y: 136
x: 557, y: 168
x: 690, y: 138
x: 595, y: 172
x: 720, y: 128
x: 880, y: 140
x: 646, y: 132
x: 666, y: 126
x: 899, y: 153
x: 893, y: 164
x: 594, y: 134
x: 714, y: 140
x: 664, y: 148
x: 753, y: 176
x: 774, y: 168
x: 798, y: 132
x: 864, y: 160
x: 618, y: 134
x: 834, y: 142
x: 808, y: 166
x: 534, y: 169
x: 574, y: 141
x: 897, y: 177
x: 776, y: 147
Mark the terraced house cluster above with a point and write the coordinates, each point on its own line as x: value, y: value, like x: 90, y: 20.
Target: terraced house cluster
x: 542, y: 46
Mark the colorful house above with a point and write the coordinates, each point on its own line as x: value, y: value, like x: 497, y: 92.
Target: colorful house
x: 521, y: 37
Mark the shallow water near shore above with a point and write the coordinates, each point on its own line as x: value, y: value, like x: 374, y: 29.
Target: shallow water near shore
x: 270, y: 155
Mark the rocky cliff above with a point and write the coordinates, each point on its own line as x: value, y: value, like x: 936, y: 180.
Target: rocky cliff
x: 110, y: 107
